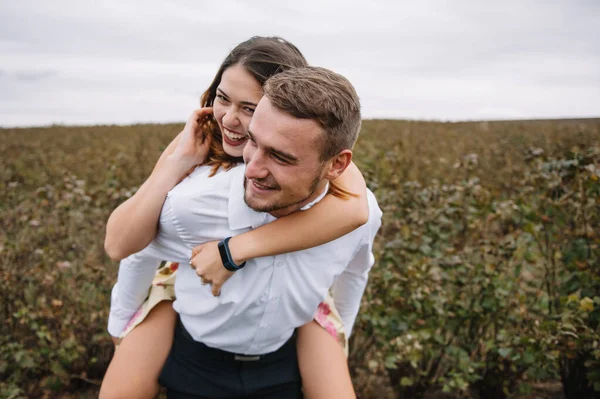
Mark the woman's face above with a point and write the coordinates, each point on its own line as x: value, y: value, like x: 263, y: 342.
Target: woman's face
x: 237, y: 97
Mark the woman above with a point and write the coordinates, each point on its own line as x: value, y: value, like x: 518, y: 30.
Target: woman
x: 219, y: 142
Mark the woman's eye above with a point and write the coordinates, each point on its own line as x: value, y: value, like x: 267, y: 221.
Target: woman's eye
x: 222, y: 98
x: 249, y: 110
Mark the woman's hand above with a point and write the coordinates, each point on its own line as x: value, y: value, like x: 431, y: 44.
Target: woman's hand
x: 206, y: 259
x: 193, y: 142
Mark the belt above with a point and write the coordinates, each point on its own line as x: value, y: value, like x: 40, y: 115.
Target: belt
x: 237, y: 357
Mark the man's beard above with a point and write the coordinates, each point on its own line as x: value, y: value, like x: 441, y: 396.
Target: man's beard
x: 278, y: 206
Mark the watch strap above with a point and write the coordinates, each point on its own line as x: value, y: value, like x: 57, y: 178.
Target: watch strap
x: 226, y: 256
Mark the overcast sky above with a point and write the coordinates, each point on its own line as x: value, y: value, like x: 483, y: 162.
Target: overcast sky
x: 118, y: 61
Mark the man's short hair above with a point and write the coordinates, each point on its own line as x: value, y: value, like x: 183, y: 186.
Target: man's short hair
x: 323, y: 96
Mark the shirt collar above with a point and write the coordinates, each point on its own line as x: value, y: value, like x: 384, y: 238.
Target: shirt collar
x: 241, y: 215
x: 319, y: 198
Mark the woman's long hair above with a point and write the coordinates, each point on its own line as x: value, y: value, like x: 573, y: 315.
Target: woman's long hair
x: 262, y: 57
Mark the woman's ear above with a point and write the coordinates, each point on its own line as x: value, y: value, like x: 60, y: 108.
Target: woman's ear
x: 338, y: 164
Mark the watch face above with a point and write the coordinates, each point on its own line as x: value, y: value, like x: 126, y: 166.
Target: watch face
x: 225, y: 256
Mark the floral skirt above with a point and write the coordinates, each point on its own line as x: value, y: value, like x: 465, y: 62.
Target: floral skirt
x: 163, y: 289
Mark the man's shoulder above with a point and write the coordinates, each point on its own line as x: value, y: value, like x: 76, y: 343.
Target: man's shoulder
x: 375, y: 212
x: 363, y: 234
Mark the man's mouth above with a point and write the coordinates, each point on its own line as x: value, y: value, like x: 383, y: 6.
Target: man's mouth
x: 262, y: 186
x: 233, y: 138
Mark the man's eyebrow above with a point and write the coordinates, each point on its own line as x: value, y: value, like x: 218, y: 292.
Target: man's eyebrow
x: 288, y: 157
x: 241, y: 102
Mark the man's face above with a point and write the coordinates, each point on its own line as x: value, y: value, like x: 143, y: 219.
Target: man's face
x: 283, y: 168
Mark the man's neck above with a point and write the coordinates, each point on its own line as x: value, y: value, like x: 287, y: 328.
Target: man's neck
x: 319, y: 192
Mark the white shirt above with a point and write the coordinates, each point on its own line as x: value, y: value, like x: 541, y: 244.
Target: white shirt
x: 260, y: 305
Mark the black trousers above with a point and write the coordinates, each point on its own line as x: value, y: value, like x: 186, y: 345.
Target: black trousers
x: 196, y: 371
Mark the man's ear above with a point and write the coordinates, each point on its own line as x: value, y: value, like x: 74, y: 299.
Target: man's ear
x: 338, y: 164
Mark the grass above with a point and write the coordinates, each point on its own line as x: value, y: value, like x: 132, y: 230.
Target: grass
x: 60, y: 183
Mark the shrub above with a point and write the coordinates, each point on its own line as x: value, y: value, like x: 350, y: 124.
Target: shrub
x: 486, y: 276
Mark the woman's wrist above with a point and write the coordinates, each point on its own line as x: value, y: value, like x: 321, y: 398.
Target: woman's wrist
x: 175, y: 168
x: 179, y: 163
x: 239, y: 248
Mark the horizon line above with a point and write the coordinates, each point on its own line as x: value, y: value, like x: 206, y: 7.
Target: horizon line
x: 433, y: 120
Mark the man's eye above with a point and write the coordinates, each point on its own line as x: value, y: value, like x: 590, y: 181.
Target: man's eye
x: 249, y: 110
x: 280, y: 159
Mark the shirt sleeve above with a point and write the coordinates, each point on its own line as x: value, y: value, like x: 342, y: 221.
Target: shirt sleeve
x: 195, y: 211
x: 349, y: 287
x: 136, y: 273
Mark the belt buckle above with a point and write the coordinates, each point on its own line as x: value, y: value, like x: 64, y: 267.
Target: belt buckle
x: 244, y: 358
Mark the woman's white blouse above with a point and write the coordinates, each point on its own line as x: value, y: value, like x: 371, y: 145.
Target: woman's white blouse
x: 260, y: 305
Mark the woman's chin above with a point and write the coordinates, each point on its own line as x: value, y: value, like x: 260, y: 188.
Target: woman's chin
x: 234, y: 151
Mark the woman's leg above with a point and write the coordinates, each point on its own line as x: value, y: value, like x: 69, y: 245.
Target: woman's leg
x: 135, y: 367
x: 323, y: 364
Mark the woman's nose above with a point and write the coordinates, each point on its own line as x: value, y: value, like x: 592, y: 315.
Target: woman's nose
x: 231, y: 118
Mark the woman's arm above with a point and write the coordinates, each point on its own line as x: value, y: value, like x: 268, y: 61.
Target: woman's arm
x: 132, y: 225
x: 327, y: 220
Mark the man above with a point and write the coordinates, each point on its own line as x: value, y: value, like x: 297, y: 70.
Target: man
x: 241, y: 343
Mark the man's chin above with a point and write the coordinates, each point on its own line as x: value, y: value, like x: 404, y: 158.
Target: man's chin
x: 258, y: 205
x: 260, y: 202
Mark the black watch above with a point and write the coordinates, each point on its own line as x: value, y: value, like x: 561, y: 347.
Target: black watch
x: 226, y: 256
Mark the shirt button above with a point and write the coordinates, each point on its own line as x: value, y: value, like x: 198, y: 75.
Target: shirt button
x: 279, y: 264
x: 275, y: 298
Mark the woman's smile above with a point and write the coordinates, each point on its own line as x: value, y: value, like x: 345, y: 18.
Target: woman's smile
x: 234, y: 138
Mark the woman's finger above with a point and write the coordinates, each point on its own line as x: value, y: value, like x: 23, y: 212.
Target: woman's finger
x: 196, y: 250
x: 200, y: 113
x: 204, y: 111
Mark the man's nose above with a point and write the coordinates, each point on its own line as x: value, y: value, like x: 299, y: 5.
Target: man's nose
x: 255, y: 165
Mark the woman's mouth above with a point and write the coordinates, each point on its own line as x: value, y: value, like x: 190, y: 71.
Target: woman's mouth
x: 233, y: 138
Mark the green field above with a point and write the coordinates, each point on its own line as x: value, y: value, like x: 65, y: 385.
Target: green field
x: 486, y: 282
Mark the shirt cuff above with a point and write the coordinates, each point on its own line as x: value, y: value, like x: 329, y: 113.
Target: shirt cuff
x: 116, y: 321
x: 116, y: 325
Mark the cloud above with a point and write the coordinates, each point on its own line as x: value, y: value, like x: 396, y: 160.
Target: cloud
x: 34, y: 75
x: 73, y: 62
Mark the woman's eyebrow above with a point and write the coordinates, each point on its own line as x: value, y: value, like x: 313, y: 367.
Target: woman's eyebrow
x: 241, y: 102
x: 222, y: 92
